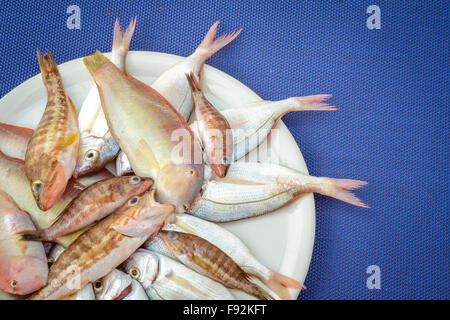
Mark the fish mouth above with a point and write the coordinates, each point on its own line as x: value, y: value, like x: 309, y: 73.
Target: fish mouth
x: 125, y: 292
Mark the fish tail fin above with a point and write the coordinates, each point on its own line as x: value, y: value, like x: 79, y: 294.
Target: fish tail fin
x: 339, y: 189
x: 95, y: 61
x: 335, y: 188
x: 32, y: 235
x: 47, y: 64
x: 193, y: 82
x: 122, y: 39
x: 313, y: 103
x: 210, y: 45
x: 264, y: 295
x: 280, y: 284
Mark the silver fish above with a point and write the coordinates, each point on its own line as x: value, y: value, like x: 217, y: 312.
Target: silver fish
x: 167, y: 279
x: 118, y: 285
x: 252, y: 188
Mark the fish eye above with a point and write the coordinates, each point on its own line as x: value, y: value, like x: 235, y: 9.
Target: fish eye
x: 50, y: 262
x: 37, y: 185
x: 225, y: 160
x: 172, y: 235
x: 98, y: 285
x: 135, y: 180
x: 134, y: 273
x: 91, y: 155
x: 13, y: 283
x: 133, y: 201
x: 191, y: 172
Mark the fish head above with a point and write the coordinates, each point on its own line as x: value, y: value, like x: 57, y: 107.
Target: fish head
x: 25, y: 275
x: 175, y: 242
x: 142, y: 216
x: 221, y: 153
x: 94, y: 153
x: 48, y: 182
x: 179, y: 184
x: 130, y: 186
x: 114, y: 286
x: 142, y: 266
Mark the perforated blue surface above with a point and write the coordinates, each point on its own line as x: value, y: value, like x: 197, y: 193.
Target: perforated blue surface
x: 392, y: 129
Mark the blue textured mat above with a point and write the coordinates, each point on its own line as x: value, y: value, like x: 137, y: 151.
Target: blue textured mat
x: 392, y: 129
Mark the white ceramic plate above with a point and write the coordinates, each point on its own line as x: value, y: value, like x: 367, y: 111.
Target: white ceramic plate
x: 282, y: 240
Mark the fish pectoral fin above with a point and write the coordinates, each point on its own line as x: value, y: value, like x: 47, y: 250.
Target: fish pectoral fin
x: 133, y: 227
x: 145, y: 158
x: 69, y: 139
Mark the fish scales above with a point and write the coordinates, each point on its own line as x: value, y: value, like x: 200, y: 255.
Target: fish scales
x: 204, y: 257
x: 51, y: 152
x: 153, y: 131
x: 91, y: 205
x: 106, y: 245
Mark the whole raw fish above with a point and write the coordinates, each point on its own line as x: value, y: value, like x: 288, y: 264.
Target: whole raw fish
x: 118, y: 285
x: 251, y: 123
x: 51, y: 153
x: 86, y: 293
x: 91, y: 205
x: 172, y: 83
x: 13, y: 180
x: 167, y: 279
x: 23, y: 265
x: 97, y: 145
x: 214, y: 130
x: 104, y: 246
x: 156, y: 139
x: 232, y: 246
x: 205, y: 258
x: 252, y: 188
x: 14, y: 140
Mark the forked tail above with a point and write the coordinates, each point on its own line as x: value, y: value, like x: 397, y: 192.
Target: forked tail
x: 340, y: 190
x: 313, y: 103
x: 210, y: 45
x: 335, y: 188
x: 47, y: 64
x: 122, y: 39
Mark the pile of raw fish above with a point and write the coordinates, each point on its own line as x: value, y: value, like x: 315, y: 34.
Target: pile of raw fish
x: 70, y: 229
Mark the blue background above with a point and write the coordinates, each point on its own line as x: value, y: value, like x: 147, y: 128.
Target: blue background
x: 391, y: 130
